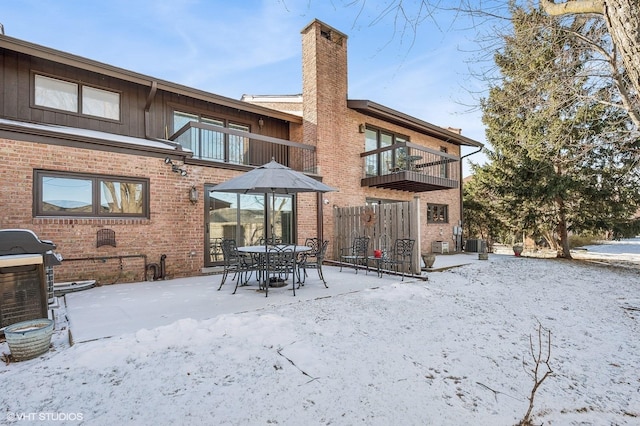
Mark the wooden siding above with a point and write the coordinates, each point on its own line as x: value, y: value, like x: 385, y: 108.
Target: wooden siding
x: 16, y: 76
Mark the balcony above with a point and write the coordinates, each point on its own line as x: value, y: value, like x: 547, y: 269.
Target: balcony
x: 409, y: 167
x: 232, y: 148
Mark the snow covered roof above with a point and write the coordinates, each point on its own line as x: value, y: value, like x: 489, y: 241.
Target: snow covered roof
x: 89, y: 136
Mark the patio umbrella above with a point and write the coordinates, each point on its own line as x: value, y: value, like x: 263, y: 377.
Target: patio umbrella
x: 272, y: 178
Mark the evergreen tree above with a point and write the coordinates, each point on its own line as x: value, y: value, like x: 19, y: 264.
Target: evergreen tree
x: 481, y: 219
x: 554, y: 168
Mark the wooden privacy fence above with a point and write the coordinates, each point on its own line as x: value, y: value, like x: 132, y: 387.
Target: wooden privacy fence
x: 381, y: 223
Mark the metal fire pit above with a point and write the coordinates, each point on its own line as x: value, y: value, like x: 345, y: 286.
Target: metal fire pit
x: 26, y: 276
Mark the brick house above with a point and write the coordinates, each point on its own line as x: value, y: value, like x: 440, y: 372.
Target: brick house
x: 119, y: 168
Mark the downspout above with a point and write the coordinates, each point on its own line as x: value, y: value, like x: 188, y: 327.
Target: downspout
x: 147, y: 107
x: 320, y: 216
x: 462, y: 194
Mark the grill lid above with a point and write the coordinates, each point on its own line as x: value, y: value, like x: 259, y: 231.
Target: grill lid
x: 25, y: 241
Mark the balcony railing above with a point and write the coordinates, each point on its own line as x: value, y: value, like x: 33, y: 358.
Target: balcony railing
x: 409, y: 167
x: 236, y: 147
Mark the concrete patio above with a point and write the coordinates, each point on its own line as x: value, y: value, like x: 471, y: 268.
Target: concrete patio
x: 112, y: 310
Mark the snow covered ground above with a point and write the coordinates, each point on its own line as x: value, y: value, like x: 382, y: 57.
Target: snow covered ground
x: 625, y: 252
x: 453, y: 350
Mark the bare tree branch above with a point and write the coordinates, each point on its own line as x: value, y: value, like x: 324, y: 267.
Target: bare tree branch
x: 540, y: 361
x: 572, y: 7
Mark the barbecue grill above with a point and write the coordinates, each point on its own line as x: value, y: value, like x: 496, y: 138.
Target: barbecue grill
x: 26, y: 276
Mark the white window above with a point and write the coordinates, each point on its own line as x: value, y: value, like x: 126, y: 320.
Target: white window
x: 58, y: 94
x: 384, y: 162
x: 100, y: 103
x: 65, y: 96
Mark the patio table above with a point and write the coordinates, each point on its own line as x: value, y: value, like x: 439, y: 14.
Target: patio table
x: 261, y: 251
x: 378, y: 261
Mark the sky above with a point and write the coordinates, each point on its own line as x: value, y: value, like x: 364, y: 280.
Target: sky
x: 457, y: 349
x: 232, y: 48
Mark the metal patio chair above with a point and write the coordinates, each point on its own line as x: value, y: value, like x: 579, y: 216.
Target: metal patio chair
x: 314, y: 243
x: 400, y: 257
x: 356, y: 254
x: 280, y: 263
x: 312, y: 260
x: 234, y: 262
x: 272, y: 241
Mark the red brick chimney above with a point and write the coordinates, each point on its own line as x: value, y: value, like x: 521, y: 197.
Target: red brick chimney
x: 324, y: 86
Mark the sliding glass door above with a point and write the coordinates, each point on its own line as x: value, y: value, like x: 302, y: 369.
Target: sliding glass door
x: 245, y: 217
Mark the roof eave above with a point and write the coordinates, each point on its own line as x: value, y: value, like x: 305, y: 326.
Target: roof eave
x: 380, y: 111
x: 65, y: 58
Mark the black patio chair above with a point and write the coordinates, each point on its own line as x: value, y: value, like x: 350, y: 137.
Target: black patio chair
x: 356, y: 254
x: 280, y: 263
x: 272, y: 241
x: 215, y: 249
x: 312, y: 260
x: 400, y: 257
x: 235, y: 263
x: 314, y: 243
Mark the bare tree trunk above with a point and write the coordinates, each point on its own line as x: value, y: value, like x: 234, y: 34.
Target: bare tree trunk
x: 563, y: 233
x: 623, y: 23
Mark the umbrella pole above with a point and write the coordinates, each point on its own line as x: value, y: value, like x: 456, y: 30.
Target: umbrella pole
x: 268, y: 234
x: 273, y: 216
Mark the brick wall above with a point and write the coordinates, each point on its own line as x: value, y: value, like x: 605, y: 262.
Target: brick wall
x: 175, y: 226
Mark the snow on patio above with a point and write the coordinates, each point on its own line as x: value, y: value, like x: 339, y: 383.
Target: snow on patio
x: 448, y: 351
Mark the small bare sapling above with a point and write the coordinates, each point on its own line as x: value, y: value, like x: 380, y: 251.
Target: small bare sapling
x: 541, y: 368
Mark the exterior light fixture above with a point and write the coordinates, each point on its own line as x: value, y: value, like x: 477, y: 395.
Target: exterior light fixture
x: 361, y: 128
x: 193, y: 195
x: 260, y: 123
x: 175, y: 168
